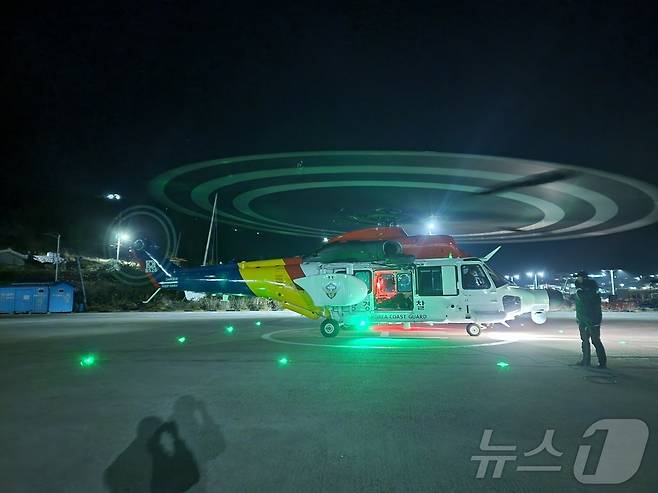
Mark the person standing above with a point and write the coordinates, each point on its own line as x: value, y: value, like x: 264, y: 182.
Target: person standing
x: 588, y: 315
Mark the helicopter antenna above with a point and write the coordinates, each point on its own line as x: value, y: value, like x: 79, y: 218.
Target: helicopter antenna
x: 212, y: 220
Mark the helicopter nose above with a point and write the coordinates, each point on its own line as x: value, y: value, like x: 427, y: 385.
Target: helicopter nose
x: 556, y: 301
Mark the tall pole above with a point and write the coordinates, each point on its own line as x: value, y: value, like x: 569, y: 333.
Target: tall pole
x: 612, y: 281
x: 212, y: 220
x: 82, y: 284
x: 118, y: 244
x: 57, y: 259
x: 536, y: 283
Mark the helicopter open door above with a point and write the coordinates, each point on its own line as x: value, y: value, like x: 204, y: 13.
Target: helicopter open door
x: 393, y: 290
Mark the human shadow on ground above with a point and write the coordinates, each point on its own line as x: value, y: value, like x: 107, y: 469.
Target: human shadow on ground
x: 168, y: 456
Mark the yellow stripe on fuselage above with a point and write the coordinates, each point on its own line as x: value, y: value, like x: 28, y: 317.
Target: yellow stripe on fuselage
x: 269, y: 279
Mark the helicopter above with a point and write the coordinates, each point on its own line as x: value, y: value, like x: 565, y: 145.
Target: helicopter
x: 369, y: 277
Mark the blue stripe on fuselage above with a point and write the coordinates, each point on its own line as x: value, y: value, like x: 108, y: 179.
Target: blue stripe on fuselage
x: 221, y: 279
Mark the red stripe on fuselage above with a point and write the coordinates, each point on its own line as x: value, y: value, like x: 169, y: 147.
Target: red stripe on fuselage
x: 293, y: 267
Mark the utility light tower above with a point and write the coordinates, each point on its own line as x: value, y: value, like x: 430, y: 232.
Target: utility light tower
x: 536, y: 275
x: 121, y: 236
x: 58, y: 236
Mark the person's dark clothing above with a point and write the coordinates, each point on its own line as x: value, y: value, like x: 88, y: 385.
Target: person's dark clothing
x: 592, y: 332
x: 588, y: 303
x: 588, y: 314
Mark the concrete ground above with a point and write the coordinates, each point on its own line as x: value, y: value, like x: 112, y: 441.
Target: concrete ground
x: 277, y: 407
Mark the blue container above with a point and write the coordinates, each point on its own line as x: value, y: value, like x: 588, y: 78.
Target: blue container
x: 7, y: 295
x: 37, y: 298
x: 61, y: 298
x: 24, y: 299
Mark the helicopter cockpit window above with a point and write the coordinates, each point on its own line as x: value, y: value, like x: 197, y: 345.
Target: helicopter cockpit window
x: 473, y: 277
x: 365, y: 276
x: 497, y: 279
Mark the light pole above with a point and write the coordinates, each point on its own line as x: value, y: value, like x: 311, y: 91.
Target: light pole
x: 535, y: 275
x: 121, y: 236
x: 58, y: 236
x: 612, y: 281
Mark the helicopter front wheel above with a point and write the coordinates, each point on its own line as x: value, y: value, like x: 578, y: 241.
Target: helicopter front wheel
x: 473, y: 330
x: 330, y: 328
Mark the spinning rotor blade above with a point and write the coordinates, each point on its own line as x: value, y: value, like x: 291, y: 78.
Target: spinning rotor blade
x: 531, y: 181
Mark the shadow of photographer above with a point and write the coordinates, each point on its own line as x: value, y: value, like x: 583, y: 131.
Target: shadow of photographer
x: 168, y: 456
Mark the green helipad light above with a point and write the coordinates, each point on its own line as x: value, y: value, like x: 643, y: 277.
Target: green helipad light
x: 258, y: 323
x: 88, y: 360
x: 283, y: 361
x: 362, y: 323
x: 622, y: 342
x: 229, y: 329
x: 181, y: 339
x: 502, y: 364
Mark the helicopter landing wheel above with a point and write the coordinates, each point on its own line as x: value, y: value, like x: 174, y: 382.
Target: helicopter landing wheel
x: 473, y: 330
x: 330, y: 328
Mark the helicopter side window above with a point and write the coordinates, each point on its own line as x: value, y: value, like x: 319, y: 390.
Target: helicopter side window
x: 430, y: 281
x: 366, y: 277
x: 404, y: 282
x: 473, y: 277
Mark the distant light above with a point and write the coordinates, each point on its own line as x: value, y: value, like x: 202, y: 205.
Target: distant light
x: 123, y: 236
x: 229, y: 329
x: 507, y: 277
x: 431, y: 225
x: 325, y: 240
x: 502, y: 364
x: 235, y: 229
x: 258, y: 323
x: 561, y: 331
x: 362, y: 323
x: 181, y: 339
x: 88, y: 360
x: 257, y: 232
x: 283, y: 361
x: 622, y: 342
x: 113, y: 196
x: 517, y: 276
x: 540, y: 274
x: 529, y: 274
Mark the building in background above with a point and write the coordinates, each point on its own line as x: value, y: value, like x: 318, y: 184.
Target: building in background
x: 12, y: 257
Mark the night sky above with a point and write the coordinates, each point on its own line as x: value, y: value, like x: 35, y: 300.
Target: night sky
x: 101, y: 97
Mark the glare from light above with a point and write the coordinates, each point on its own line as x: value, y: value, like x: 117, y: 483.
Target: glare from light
x: 283, y: 361
x: 529, y: 274
x: 229, y: 329
x: 88, y: 360
x: 540, y: 274
x: 325, y: 240
x: 259, y: 323
x: 517, y: 276
x: 113, y: 196
x: 123, y: 236
x: 182, y: 339
x: 502, y: 364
